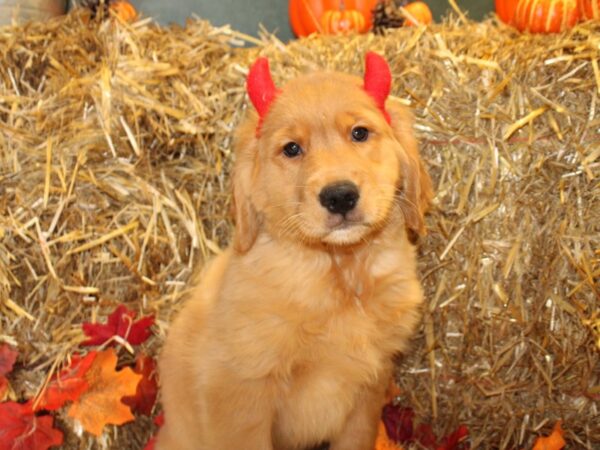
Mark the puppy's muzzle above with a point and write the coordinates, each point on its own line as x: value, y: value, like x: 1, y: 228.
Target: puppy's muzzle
x: 340, y: 197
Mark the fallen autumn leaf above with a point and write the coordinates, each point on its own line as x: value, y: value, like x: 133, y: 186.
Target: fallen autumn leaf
x: 101, y: 404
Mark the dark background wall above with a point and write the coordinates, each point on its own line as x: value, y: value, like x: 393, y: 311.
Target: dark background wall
x: 245, y: 15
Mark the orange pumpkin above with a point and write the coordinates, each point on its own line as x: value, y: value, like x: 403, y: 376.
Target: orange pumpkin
x: 505, y: 9
x: 343, y: 22
x: 305, y: 15
x: 546, y: 16
x: 124, y: 10
x: 420, y: 11
x: 590, y: 9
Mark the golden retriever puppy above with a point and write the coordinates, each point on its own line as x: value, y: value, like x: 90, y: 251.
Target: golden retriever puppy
x: 287, y: 341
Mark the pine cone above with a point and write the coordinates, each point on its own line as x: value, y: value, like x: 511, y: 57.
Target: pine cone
x: 387, y: 15
x: 99, y: 8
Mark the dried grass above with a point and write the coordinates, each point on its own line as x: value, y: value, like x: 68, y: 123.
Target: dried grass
x: 115, y: 148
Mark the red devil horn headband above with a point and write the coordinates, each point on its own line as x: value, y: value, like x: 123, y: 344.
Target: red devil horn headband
x: 378, y: 81
x: 262, y: 90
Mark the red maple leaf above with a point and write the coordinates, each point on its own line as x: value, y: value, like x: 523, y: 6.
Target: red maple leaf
x: 159, y: 421
x: 151, y: 443
x: 120, y: 323
x: 67, y: 385
x: 3, y: 387
x: 22, y: 429
x: 456, y: 440
x: 145, y: 397
x: 399, y: 425
x: 8, y: 356
x: 398, y: 422
x: 425, y: 436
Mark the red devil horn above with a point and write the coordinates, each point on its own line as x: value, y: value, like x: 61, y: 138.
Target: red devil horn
x: 378, y: 81
x: 260, y: 86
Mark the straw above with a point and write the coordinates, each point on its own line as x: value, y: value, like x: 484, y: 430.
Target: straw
x: 115, y: 155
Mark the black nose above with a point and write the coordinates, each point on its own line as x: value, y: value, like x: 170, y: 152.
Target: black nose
x: 339, y: 198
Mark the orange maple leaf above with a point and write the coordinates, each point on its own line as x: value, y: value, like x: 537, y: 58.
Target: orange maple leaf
x: 101, y: 403
x: 553, y: 442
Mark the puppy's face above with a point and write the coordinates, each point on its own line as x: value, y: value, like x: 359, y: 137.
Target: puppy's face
x: 326, y: 167
x: 328, y: 161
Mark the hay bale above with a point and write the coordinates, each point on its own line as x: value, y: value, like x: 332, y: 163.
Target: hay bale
x: 112, y: 139
x: 114, y: 161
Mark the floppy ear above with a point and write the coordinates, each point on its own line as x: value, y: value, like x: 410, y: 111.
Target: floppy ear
x: 415, y: 185
x: 244, y: 211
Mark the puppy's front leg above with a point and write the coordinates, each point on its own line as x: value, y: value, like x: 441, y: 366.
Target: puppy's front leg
x: 239, y: 415
x: 360, y: 430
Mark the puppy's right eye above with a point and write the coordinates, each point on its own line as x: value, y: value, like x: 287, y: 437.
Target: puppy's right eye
x: 360, y: 134
x: 292, y: 149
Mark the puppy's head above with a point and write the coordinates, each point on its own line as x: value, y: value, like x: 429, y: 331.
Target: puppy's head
x: 326, y: 159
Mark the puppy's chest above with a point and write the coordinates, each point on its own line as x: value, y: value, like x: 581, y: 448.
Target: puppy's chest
x: 336, y: 360
x: 356, y: 327
x: 361, y: 323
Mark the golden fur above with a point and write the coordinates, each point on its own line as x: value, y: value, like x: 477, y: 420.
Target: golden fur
x: 288, y: 339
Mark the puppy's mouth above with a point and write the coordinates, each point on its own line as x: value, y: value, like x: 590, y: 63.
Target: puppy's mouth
x: 345, y: 230
x: 336, y: 222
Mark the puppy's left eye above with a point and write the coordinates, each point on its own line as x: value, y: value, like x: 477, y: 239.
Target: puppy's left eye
x: 360, y: 134
x: 292, y: 149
